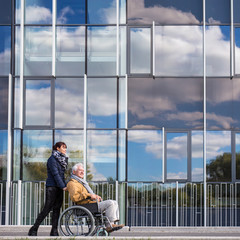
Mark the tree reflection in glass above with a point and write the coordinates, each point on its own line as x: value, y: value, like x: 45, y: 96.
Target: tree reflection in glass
x: 3, y: 154
x: 37, y: 148
x: 219, y: 156
x: 101, y: 155
x: 144, y: 155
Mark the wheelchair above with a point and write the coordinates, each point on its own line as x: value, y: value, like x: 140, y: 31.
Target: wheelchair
x: 83, y: 220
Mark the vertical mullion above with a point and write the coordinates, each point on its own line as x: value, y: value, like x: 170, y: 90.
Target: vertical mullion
x: 163, y: 154
x: 21, y: 63
x: 117, y: 53
x: 153, y: 48
x: 54, y: 6
x: 232, y: 73
x: 204, y: 118
x: 85, y: 127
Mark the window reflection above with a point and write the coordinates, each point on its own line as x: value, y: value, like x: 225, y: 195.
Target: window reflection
x: 101, y: 12
x: 74, y: 141
x: 122, y: 156
x: 5, y: 50
x: 70, y: 52
x: 101, y: 155
x: 70, y: 12
x: 197, y: 156
x: 218, y: 51
x: 177, y: 159
x: 236, y: 103
x: 220, y: 103
x: 69, y: 102
x: 38, y: 51
x: 219, y: 156
x: 38, y: 102
x: 3, y: 154
x: 165, y: 12
x: 122, y: 103
x: 3, y: 103
x: 38, y: 11
x: 237, y: 50
x: 17, y: 155
x: 102, y: 102
x: 140, y: 50
x: 37, y: 148
x: 165, y: 102
x: 217, y: 11
x: 101, y: 51
x: 144, y: 155
x: 236, y: 13
x: 237, y: 152
x: 179, y: 50
x: 6, y: 12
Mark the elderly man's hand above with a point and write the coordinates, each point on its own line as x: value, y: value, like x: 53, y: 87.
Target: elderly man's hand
x: 96, y: 197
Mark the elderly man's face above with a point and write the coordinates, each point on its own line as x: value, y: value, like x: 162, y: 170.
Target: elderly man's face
x: 79, y: 172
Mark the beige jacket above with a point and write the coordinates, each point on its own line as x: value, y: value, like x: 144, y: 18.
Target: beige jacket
x: 78, y: 193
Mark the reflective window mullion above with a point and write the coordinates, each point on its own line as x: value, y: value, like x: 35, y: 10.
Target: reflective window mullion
x: 21, y: 63
x: 85, y: 126
x: 117, y: 33
x: 232, y: 63
x: 54, y: 9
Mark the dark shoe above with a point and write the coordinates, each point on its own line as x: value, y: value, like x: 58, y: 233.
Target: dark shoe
x: 32, y: 231
x: 54, y: 232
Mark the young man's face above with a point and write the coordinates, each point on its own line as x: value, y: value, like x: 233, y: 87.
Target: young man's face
x: 79, y: 172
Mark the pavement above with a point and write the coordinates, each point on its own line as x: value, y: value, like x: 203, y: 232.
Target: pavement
x: 166, y: 233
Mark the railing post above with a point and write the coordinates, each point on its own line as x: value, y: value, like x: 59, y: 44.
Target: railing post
x: 19, y: 205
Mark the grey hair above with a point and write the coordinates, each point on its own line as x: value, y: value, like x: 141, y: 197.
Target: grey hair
x: 76, y: 166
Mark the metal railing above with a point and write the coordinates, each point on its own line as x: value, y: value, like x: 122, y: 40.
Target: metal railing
x: 141, y: 204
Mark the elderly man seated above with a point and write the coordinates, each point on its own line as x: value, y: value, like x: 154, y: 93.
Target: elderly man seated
x: 81, y: 193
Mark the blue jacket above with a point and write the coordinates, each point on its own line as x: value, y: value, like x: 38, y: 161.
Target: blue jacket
x: 55, y: 173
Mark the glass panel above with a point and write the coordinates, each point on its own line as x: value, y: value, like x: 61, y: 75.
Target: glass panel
x: 3, y: 154
x: 69, y: 102
x: 74, y: 141
x: 236, y: 103
x: 176, y: 155
x: 17, y: 50
x: 237, y: 50
x: 17, y: 11
x: 218, y: 50
x: 6, y: 12
x: 236, y: 13
x: 197, y: 156
x: 17, y: 101
x: 140, y: 50
x: 144, y: 155
x: 102, y: 102
x: 4, y: 103
x: 38, y: 11
x: 37, y: 148
x: 217, y: 11
x: 122, y: 103
x: 101, y: 12
x: 237, y: 150
x: 5, y: 49
x: 122, y: 156
x: 101, y: 51
x: 38, y: 102
x: 101, y: 155
x: 179, y: 50
x: 165, y: 102
x: 219, y: 103
x: 38, y: 51
x: 122, y: 51
x: 70, y: 12
x: 70, y: 52
x: 17, y: 155
x: 122, y: 11
x: 219, y: 156
x: 165, y: 12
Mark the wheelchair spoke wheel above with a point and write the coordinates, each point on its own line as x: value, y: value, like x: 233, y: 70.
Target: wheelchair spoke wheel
x: 76, y: 221
x: 102, y: 232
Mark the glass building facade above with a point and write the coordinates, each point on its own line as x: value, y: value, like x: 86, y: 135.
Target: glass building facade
x: 145, y: 93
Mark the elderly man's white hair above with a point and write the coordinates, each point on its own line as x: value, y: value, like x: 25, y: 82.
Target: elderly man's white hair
x: 76, y: 166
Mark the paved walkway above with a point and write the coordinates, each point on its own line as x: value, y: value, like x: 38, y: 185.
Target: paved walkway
x: 180, y: 233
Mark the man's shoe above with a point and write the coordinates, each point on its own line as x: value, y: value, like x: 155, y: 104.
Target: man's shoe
x: 32, y: 231
x: 114, y: 227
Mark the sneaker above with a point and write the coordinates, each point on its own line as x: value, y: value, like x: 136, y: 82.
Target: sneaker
x: 114, y: 227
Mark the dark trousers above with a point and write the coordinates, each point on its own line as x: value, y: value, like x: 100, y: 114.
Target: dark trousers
x: 54, y: 199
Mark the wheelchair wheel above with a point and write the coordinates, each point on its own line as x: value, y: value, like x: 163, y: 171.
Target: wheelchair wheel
x: 76, y: 221
x: 102, y: 232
